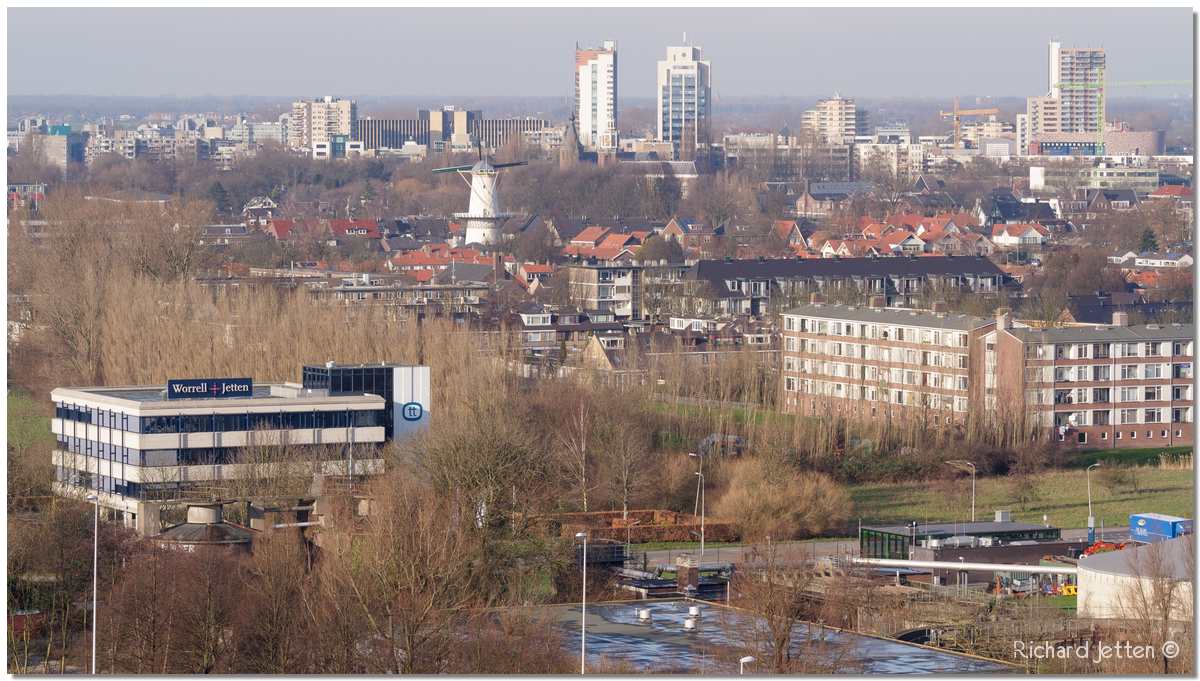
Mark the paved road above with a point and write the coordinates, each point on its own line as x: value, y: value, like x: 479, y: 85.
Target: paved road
x: 799, y: 550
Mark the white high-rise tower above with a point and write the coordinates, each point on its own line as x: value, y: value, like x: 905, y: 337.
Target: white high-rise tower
x: 596, y: 96
x: 684, y: 100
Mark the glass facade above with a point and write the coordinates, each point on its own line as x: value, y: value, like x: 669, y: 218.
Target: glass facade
x: 217, y: 423
x: 355, y: 380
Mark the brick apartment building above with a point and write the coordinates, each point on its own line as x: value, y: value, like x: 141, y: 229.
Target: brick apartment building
x: 877, y: 361
x: 1085, y: 386
x: 1099, y: 386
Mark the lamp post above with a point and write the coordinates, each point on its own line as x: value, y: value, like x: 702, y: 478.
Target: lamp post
x: 583, y: 610
x: 1091, y: 518
x: 95, y: 573
x: 960, y: 464
x: 700, y: 499
x: 743, y: 662
x: 701, y: 518
x: 629, y: 526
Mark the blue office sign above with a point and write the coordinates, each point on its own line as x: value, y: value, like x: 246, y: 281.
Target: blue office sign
x: 208, y: 388
x: 412, y: 411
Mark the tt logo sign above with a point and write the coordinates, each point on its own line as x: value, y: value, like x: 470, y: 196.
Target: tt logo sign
x: 412, y: 411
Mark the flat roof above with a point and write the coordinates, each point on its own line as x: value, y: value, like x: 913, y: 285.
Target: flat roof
x: 1089, y: 334
x: 139, y: 397
x: 723, y: 634
x: 890, y: 315
x: 983, y: 527
x: 1171, y: 558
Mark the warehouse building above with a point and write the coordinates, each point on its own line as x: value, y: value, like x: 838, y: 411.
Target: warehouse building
x: 135, y: 447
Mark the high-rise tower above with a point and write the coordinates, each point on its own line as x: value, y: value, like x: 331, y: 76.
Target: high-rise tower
x: 596, y: 96
x: 684, y: 100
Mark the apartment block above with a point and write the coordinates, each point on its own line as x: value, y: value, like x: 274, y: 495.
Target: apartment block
x: 836, y: 120
x: 596, y: 96
x: 1098, y: 386
x: 876, y: 361
x: 766, y: 287
x: 607, y: 287
x: 318, y: 121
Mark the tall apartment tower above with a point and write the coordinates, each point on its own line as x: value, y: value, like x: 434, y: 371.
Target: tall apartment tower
x: 835, y: 121
x: 596, y: 95
x: 1074, y: 99
x: 1076, y: 79
x: 318, y: 121
x: 684, y: 100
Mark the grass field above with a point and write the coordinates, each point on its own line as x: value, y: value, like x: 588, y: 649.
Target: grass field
x: 1060, y: 495
x: 1128, y: 457
x: 27, y: 425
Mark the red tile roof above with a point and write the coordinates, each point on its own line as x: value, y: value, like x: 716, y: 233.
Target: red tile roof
x: 590, y: 235
x: 1173, y: 190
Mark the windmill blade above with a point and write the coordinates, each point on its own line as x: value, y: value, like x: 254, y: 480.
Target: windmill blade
x: 498, y: 166
x: 452, y: 169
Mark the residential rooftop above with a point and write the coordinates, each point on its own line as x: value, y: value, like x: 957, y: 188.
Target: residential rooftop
x: 891, y: 315
x: 1091, y: 334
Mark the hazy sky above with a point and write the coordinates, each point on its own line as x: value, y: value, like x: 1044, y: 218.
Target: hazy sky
x: 461, y: 51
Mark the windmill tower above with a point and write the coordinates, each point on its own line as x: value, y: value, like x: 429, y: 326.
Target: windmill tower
x: 484, y: 215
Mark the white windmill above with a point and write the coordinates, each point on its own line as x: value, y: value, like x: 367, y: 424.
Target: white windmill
x: 484, y: 216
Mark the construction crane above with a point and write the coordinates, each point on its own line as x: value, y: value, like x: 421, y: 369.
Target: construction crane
x: 958, y: 113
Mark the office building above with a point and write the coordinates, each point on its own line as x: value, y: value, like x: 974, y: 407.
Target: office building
x: 596, y: 96
x: 876, y: 361
x: 1097, y: 386
x: 338, y: 146
x: 137, y: 447
x: 494, y: 133
x: 767, y: 156
x: 834, y: 121
x: 391, y: 133
x: 684, y: 101
x: 317, y: 121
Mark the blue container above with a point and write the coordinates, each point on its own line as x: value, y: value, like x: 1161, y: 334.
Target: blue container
x: 1153, y: 527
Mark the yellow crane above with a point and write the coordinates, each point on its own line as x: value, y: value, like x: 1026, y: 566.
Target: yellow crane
x: 957, y: 114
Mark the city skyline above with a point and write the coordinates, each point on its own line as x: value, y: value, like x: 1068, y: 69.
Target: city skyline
x: 772, y: 52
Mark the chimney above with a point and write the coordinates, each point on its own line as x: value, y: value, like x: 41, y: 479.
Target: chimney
x: 1002, y: 319
x: 939, y: 307
x: 816, y: 298
x: 877, y: 302
x: 1120, y: 319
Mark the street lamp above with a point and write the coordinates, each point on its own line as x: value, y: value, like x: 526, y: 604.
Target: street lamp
x: 701, y: 518
x: 959, y: 464
x: 696, y: 506
x: 628, y: 526
x: 743, y: 662
x: 583, y: 611
x: 1091, y: 518
x: 95, y: 573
